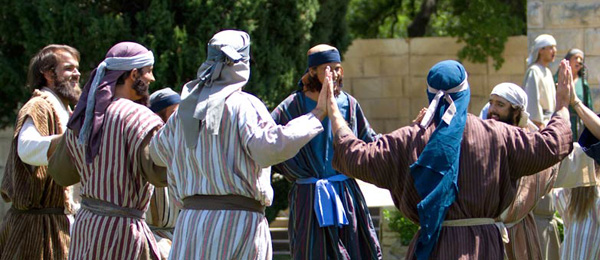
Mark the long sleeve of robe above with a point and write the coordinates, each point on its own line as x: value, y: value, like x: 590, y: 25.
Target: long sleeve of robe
x: 492, y: 156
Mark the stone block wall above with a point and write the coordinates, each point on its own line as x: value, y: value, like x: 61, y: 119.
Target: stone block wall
x: 388, y: 76
x: 574, y: 24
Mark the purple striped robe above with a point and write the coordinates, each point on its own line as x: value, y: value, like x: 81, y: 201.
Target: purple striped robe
x: 113, y: 177
x: 493, y: 156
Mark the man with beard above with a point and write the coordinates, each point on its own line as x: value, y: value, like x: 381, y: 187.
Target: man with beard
x: 106, y: 147
x: 219, y: 146
x: 328, y: 212
x: 37, y: 225
x: 453, y: 173
x: 508, y: 104
x: 540, y: 88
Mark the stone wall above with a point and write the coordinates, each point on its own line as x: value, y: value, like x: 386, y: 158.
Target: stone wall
x: 387, y: 76
x: 574, y: 24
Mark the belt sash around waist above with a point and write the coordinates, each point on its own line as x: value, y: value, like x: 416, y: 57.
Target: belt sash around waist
x: 327, y: 205
x: 104, y: 208
x: 42, y: 211
x: 223, y: 202
x: 478, y: 222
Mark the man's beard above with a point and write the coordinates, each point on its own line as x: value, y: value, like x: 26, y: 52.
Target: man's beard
x: 507, y: 119
x: 141, y: 89
x: 65, y: 89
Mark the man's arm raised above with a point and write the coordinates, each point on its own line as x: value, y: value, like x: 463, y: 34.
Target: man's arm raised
x: 381, y: 162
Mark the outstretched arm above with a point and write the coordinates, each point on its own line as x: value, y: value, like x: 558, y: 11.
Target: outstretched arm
x: 379, y: 162
x: 545, y: 148
x: 268, y: 143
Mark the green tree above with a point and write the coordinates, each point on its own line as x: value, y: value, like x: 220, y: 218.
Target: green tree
x: 176, y: 31
x: 483, y: 25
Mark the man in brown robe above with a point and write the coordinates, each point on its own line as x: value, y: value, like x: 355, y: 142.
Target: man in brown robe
x: 508, y: 104
x: 492, y: 157
x: 37, y: 225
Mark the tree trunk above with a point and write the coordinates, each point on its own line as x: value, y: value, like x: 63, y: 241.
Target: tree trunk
x: 419, y: 24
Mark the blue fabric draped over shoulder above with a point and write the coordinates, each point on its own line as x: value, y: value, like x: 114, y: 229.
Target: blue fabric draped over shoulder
x: 436, y: 170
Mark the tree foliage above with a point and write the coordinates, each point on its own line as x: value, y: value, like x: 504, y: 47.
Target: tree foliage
x: 176, y: 31
x: 483, y: 25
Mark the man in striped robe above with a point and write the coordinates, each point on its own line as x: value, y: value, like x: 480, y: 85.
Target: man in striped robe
x: 106, y: 148
x: 313, y: 223
x: 163, y: 212
x: 218, y: 147
x: 37, y: 225
x: 457, y: 175
x: 508, y: 104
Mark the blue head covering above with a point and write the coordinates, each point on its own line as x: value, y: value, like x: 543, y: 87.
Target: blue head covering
x: 436, y: 171
x: 318, y: 58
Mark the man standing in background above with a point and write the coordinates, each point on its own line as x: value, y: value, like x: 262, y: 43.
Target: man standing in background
x: 540, y: 88
x: 37, y: 225
x: 162, y: 214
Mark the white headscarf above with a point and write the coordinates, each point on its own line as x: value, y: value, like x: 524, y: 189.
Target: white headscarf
x: 541, y: 41
x: 225, y: 71
x: 517, y: 97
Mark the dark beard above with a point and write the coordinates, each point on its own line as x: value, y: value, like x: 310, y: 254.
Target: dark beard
x: 141, y: 89
x: 312, y: 83
x: 507, y: 120
x: 64, y: 90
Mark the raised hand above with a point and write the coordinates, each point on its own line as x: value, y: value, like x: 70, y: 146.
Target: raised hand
x: 420, y: 116
x: 564, y: 90
x: 328, y: 84
x: 321, y: 109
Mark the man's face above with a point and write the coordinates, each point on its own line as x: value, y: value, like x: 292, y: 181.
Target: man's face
x: 547, y: 54
x: 167, y: 112
x: 65, y: 78
x: 142, y: 84
x: 501, y: 110
x: 336, y: 70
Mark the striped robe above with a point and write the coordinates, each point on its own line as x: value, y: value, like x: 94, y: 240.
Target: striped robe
x: 358, y: 239
x: 582, y: 237
x: 236, y: 161
x: 493, y: 156
x: 34, y: 236
x: 522, y: 230
x: 113, y: 177
x: 161, y: 217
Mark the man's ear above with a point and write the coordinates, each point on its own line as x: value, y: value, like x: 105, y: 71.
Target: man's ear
x: 49, y: 76
x: 134, y: 74
x: 312, y: 71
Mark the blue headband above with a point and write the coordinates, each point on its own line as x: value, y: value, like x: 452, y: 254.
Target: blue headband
x: 323, y: 57
x: 162, y: 104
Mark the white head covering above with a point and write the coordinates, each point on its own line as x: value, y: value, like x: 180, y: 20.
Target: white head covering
x: 517, y: 97
x: 225, y: 71
x: 541, y: 41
